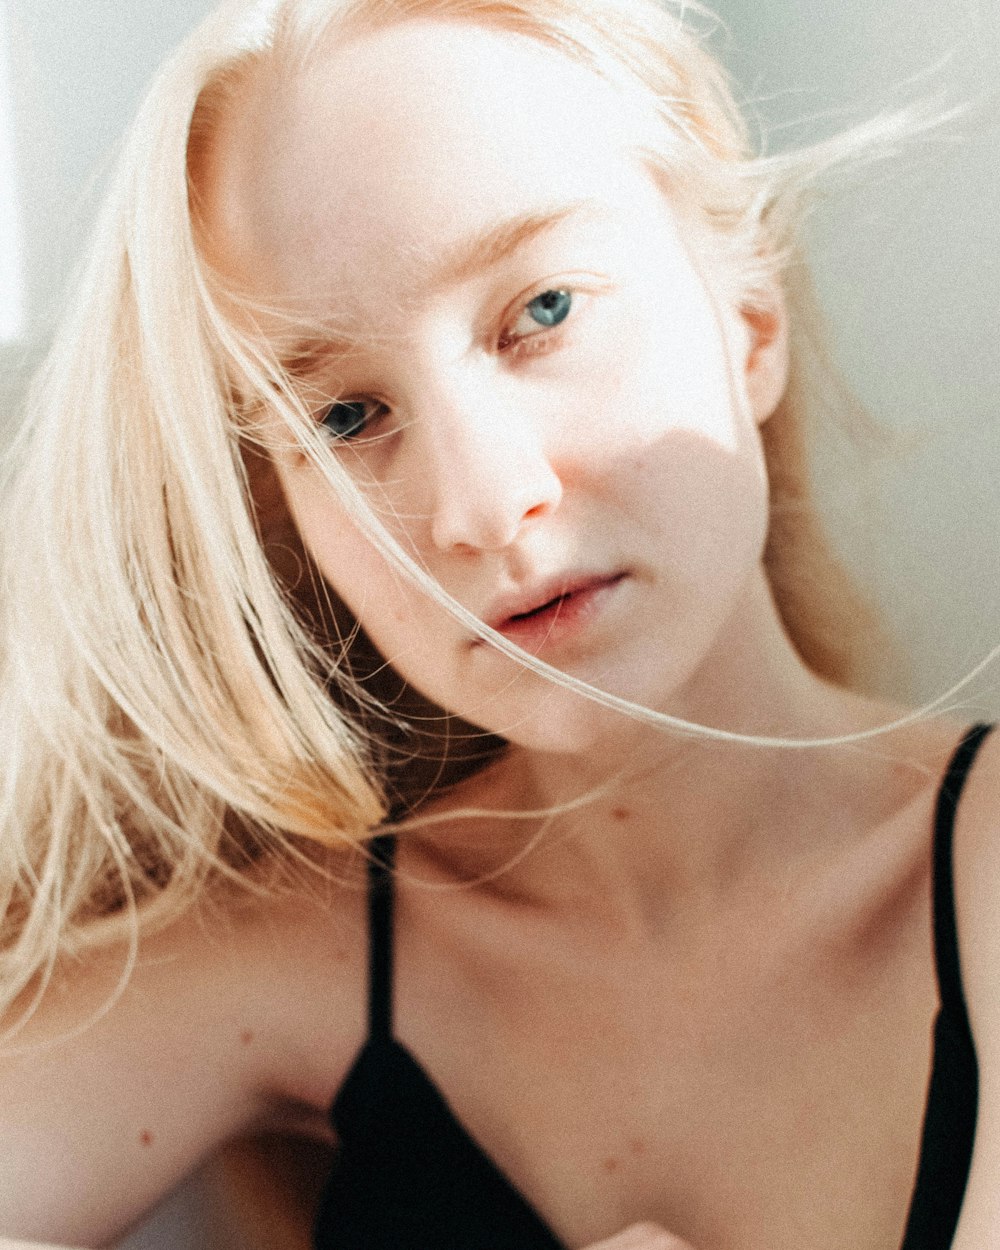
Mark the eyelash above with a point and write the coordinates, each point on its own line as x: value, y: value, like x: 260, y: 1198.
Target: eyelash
x: 537, y: 342
x: 531, y: 344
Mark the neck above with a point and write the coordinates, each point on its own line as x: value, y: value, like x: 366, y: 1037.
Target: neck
x: 646, y: 818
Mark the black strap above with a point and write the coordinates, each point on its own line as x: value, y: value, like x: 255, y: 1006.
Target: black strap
x: 946, y: 957
x: 380, y: 933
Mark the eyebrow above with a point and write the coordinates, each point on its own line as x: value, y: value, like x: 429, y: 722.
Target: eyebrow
x: 463, y: 261
x: 473, y: 256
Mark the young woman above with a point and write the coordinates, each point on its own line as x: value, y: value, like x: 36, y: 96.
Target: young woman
x: 473, y: 326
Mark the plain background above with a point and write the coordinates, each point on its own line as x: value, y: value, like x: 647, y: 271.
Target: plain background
x: 907, y: 261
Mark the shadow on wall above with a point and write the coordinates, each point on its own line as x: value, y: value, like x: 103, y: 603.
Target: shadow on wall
x: 257, y: 1194
x: 182, y: 1222
x: 191, y: 1218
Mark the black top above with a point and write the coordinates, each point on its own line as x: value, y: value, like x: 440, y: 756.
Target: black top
x: 409, y: 1177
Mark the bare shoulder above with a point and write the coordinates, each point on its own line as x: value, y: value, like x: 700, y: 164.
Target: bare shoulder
x: 234, y: 1019
x: 307, y: 948
x: 977, y: 891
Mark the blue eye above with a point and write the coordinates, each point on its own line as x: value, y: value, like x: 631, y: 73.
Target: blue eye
x: 347, y: 418
x: 542, y: 313
x: 551, y: 307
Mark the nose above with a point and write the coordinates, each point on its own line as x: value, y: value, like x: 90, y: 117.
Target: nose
x: 488, y: 473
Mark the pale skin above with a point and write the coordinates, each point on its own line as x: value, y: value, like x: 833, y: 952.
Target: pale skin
x: 705, y: 998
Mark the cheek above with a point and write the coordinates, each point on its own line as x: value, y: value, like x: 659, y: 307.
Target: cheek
x: 700, y: 507
x: 668, y: 376
x: 354, y: 569
x: 398, y: 616
x: 373, y: 593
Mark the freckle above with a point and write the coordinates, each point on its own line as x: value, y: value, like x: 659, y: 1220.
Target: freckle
x: 146, y: 1137
x: 246, y: 1037
x: 611, y: 1166
x: 620, y: 813
x: 637, y: 1147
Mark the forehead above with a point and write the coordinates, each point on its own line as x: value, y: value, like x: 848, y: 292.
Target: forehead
x: 390, y: 150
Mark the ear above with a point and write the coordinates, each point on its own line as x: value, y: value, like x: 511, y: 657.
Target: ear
x: 766, y: 361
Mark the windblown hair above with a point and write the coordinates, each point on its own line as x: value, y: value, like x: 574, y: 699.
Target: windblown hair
x: 178, y: 701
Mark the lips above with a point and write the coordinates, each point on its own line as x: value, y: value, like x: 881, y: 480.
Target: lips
x: 552, y: 609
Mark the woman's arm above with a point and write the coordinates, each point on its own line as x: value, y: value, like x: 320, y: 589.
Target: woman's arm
x: 977, y: 900
x: 239, y: 1020
x: 102, y: 1114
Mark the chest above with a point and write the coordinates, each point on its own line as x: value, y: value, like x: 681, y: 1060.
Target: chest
x: 759, y: 1091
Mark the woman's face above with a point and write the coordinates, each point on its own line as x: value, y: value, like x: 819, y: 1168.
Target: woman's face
x: 540, y: 394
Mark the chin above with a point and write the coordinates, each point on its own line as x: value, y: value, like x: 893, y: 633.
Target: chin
x: 536, y: 714
x: 561, y: 722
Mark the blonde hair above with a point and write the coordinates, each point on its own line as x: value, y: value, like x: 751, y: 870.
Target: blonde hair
x: 165, y: 686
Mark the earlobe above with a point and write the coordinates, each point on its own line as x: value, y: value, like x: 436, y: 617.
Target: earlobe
x: 767, y: 353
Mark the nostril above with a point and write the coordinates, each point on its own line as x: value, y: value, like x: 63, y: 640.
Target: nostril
x: 482, y: 501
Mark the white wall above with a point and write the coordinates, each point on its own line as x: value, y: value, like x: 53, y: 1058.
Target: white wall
x: 11, y: 261
x: 910, y: 268
x: 80, y: 67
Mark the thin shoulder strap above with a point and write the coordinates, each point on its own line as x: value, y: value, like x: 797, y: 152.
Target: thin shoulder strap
x: 946, y: 957
x: 381, y: 896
